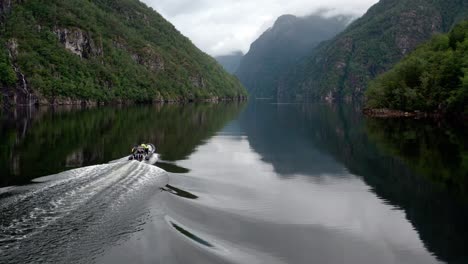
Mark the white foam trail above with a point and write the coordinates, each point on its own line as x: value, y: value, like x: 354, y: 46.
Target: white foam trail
x: 93, y: 203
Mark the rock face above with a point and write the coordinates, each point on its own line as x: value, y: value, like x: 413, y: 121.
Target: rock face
x: 264, y: 69
x: 78, y: 42
x: 409, y: 37
x: 12, y: 46
x: 150, y: 59
x: 5, y: 6
x: 197, y: 81
x: 146, y: 56
x: 342, y: 67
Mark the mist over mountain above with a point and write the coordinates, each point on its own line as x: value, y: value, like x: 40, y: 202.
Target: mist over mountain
x: 342, y: 67
x: 281, y: 47
x: 231, y: 61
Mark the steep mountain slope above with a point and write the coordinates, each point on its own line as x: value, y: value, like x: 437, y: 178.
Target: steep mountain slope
x: 272, y: 55
x: 342, y: 67
x: 433, y: 78
x: 66, y: 51
x: 230, y: 62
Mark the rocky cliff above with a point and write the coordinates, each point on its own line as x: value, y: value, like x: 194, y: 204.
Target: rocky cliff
x: 70, y: 51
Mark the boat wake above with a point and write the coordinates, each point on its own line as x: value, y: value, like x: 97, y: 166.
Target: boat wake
x: 68, y: 215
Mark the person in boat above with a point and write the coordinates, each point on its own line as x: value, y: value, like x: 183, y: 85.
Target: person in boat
x: 143, y: 148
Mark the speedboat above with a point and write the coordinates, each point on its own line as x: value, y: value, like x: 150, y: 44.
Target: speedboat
x: 140, y: 153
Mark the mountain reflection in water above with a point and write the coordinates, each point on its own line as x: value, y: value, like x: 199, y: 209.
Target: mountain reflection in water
x: 38, y: 142
x: 263, y: 183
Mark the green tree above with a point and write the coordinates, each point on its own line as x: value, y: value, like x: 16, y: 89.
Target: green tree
x: 432, y: 78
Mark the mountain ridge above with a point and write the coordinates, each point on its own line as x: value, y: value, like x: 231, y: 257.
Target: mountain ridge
x: 276, y: 51
x: 342, y: 67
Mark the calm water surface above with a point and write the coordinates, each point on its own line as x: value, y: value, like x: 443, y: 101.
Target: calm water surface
x: 235, y: 183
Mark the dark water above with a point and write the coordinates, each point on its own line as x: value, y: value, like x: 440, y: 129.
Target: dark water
x: 235, y: 183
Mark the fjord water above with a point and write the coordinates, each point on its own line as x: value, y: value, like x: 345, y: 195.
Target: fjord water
x: 235, y: 183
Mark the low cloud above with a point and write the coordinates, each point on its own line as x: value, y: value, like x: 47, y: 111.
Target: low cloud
x: 224, y: 26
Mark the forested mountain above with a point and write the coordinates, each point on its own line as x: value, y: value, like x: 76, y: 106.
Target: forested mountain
x: 342, y: 67
x: 230, y: 62
x: 68, y: 51
x: 434, y: 78
x: 277, y: 50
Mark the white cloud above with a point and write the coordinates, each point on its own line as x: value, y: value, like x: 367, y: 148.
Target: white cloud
x: 223, y: 26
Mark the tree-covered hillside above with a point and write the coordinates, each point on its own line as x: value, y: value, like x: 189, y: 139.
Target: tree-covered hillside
x: 60, y: 51
x: 271, y: 57
x: 342, y: 67
x: 434, y: 78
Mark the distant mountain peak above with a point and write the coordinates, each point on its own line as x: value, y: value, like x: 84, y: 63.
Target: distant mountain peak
x: 279, y: 48
x: 234, y: 53
x: 285, y: 20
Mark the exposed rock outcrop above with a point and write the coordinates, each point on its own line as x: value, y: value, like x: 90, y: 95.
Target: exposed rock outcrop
x: 409, y: 37
x: 197, y: 81
x: 146, y: 56
x: 6, y: 5
x: 79, y: 42
x: 12, y: 46
x: 150, y: 59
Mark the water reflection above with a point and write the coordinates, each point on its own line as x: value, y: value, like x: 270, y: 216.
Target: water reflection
x: 179, y: 192
x: 44, y: 141
x: 414, y: 165
x: 255, y: 213
x: 279, y: 184
x: 432, y: 184
x: 435, y: 150
x: 190, y: 235
x: 171, y: 167
x: 281, y: 135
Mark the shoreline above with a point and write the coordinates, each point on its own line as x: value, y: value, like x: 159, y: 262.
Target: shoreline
x: 119, y: 102
x: 386, y: 113
x: 391, y: 113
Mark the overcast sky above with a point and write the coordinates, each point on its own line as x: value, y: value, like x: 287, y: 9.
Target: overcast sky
x: 222, y: 26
